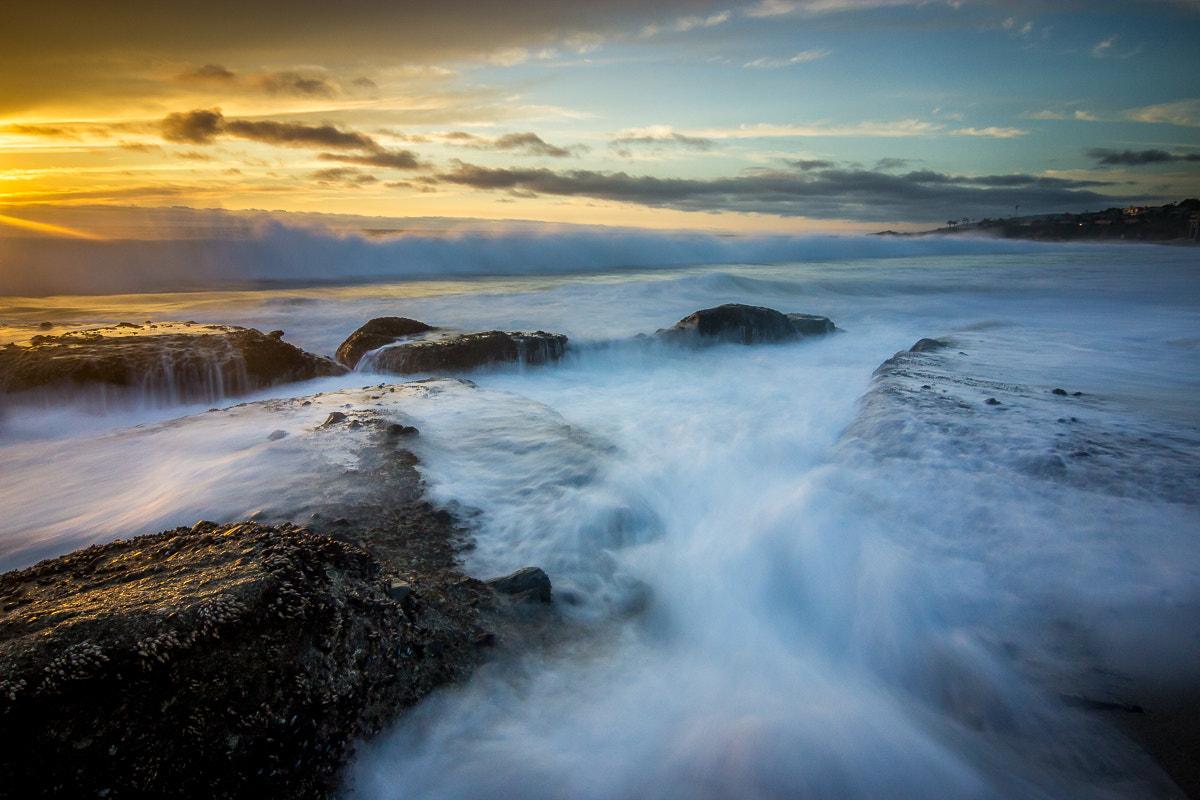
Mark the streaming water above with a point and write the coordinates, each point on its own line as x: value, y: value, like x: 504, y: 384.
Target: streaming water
x: 770, y: 586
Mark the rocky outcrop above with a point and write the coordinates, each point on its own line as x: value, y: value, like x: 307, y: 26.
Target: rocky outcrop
x: 245, y: 660
x: 174, y: 361
x: 461, y: 352
x: 212, y: 661
x: 743, y: 324
x: 378, y: 333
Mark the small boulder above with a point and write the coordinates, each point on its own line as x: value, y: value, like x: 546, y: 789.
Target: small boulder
x: 466, y: 351
x: 743, y: 324
x: 378, y: 333
x: 527, y: 585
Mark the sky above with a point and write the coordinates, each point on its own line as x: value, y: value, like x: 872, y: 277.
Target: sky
x: 771, y: 115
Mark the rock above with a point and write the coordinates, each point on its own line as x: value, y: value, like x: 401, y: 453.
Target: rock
x: 377, y: 333
x: 1061, y: 392
x: 275, y: 334
x: 45, y: 326
x: 211, y: 661
x: 459, y: 352
x: 396, y: 429
x: 276, y: 435
x: 928, y: 346
x: 527, y: 585
x: 743, y: 324
x: 991, y: 401
x: 811, y: 324
x: 175, y: 360
x: 333, y: 419
x: 399, y: 591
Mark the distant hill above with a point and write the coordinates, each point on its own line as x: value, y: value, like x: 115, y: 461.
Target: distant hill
x: 1174, y: 222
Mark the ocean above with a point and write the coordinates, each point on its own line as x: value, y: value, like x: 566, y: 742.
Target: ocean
x: 779, y: 573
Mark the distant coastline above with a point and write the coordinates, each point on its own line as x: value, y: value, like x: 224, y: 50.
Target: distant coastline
x: 1173, y: 223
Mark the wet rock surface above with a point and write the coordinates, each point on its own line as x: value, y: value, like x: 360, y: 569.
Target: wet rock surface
x: 459, y: 352
x: 378, y: 333
x: 949, y: 398
x: 178, y: 361
x: 744, y: 324
x: 244, y: 660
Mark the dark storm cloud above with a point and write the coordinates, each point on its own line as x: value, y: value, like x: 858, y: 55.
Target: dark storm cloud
x: 202, y: 126
x: 1137, y: 158
x: 398, y: 159
x: 826, y: 194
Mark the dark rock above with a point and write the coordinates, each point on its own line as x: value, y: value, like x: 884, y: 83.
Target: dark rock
x: 399, y: 591
x: 396, y: 429
x: 527, y: 585
x: 277, y: 334
x: 811, y: 324
x: 466, y: 351
x: 174, y: 361
x: 211, y: 661
x: 45, y: 326
x: 1061, y: 392
x: 334, y: 418
x: 928, y: 346
x: 277, y: 435
x: 743, y: 324
x: 991, y: 401
x: 375, y: 334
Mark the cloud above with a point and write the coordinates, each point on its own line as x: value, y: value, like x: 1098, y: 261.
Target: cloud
x: 343, y: 176
x: 294, y: 83
x: 904, y: 127
x: 776, y: 63
x: 1137, y: 158
x: 45, y: 131
x: 888, y: 164
x: 660, y: 135
x: 139, y: 147
x: 295, y: 134
x: 811, y: 163
x: 209, y: 73
x: 684, y: 24
x: 203, y: 126
x: 508, y: 57
x: 398, y: 159
x: 826, y: 194
x: 1185, y: 113
x: 200, y: 126
x: 994, y: 132
x: 527, y: 143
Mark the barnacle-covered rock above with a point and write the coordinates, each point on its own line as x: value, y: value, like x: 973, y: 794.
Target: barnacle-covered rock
x: 213, y: 661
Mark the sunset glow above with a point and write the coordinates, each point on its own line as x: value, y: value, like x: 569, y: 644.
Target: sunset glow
x: 754, y: 116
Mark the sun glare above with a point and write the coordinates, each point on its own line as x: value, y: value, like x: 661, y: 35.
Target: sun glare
x: 43, y: 227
